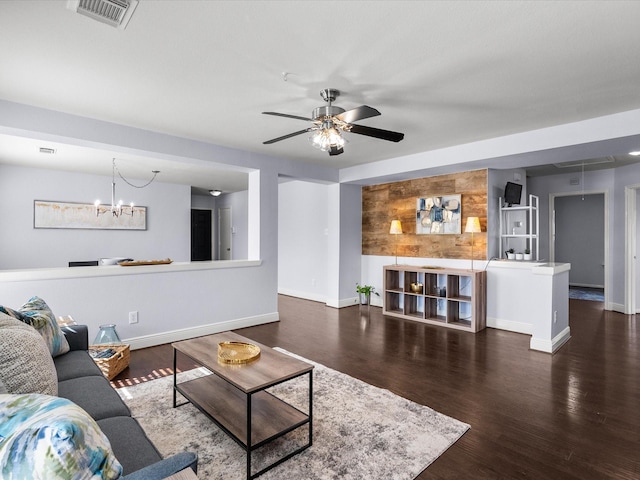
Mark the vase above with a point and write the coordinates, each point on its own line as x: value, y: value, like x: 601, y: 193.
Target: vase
x: 365, y: 298
x: 107, y: 334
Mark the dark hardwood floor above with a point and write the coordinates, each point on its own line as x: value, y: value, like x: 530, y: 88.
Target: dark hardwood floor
x: 572, y: 415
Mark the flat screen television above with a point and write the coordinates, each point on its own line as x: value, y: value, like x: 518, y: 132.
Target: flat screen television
x: 512, y: 193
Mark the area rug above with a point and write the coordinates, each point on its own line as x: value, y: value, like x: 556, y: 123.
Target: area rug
x: 359, y: 431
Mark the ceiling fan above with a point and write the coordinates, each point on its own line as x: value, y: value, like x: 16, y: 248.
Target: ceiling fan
x: 330, y: 121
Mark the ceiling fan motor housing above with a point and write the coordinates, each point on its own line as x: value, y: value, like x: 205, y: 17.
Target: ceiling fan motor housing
x: 321, y: 113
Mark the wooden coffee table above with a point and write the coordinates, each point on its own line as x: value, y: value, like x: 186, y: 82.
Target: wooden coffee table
x: 234, y: 397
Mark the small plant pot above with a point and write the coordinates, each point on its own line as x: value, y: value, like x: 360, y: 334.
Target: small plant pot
x: 511, y: 256
x: 519, y: 256
x: 365, y: 298
x: 527, y: 257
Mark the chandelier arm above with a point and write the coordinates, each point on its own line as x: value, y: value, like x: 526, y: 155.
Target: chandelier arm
x: 155, y: 172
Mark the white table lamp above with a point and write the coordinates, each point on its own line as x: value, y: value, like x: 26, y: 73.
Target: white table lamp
x: 396, y: 229
x: 473, y: 226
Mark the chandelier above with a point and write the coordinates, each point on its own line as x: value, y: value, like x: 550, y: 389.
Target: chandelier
x: 118, y: 209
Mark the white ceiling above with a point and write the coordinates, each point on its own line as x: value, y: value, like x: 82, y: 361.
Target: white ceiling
x: 443, y: 73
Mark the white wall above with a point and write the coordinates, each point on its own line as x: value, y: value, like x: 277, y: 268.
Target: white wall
x: 238, y: 202
x: 168, y: 220
x: 302, y: 240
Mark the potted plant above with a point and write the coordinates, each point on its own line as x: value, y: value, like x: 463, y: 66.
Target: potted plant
x: 519, y: 256
x: 527, y: 254
x: 365, y: 291
x: 511, y: 255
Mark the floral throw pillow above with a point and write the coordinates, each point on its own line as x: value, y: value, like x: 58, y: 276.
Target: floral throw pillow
x: 38, y: 314
x: 51, y: 438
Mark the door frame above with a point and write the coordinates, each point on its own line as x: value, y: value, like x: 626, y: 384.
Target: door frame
x: 552, y: 234
x: 220, y: 233
x: 630, y: 248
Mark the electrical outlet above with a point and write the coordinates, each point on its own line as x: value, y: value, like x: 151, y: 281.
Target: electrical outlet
x: 133, y: 317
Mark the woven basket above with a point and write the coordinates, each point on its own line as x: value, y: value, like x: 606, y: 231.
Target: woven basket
x: 114, y: 364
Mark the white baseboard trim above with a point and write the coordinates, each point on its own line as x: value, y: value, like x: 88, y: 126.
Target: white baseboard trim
x: 340, y: 303
x: 192, y: 332
x: 550, y: 346
x: 305, y: 295
x: 510, y: 325
x: 343, y: 302
x: 615, y: 307
x: 585, y: 285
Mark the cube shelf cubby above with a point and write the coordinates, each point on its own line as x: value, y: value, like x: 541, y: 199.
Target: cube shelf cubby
x: 454, y: 298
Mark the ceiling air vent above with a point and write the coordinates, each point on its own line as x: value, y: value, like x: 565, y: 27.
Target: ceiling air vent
x: 590, y: 161
x: 116, y: 13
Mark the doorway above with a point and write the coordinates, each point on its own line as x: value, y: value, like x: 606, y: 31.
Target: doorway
x: 579, y: 236
x: 200, y: 235
x: 224, y: 234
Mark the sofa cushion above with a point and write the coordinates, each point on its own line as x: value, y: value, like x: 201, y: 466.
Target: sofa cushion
x: 75, y: 364
x: 41, y: 317
x: 27, y: 366
x: 131, y: 446
x: 95, y: 395
x: 45, y: 437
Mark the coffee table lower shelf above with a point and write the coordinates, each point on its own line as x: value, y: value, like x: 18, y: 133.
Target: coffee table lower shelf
x: 251, y: 419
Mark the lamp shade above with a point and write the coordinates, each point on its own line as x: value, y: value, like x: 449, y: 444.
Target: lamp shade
x: 473, y: 225
x: 396, y: 227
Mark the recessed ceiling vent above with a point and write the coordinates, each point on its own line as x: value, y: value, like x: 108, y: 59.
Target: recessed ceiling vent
x: 590, y: 161
x: 116, y: 13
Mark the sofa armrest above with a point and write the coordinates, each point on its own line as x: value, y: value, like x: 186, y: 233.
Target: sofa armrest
x: 77, y: 336
x: 165, y: 468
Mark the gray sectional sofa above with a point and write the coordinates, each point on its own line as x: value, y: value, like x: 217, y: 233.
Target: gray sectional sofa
x: 81, y: 381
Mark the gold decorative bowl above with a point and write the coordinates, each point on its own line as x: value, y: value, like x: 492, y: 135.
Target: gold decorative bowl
x: 416, y: 287
x: 237, y: 352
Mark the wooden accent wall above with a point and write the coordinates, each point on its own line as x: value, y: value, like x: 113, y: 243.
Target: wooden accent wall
x: 397, y: 201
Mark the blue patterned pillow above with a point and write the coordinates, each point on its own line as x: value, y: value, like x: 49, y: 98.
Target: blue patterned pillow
x: 44, y: 437
x: 38, y: 314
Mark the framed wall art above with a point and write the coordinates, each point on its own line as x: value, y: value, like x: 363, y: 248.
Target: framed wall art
x: 88, y: 216
x: 439, y: 215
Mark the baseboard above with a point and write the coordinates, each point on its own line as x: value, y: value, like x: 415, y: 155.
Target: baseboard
x: 551, y: 346
x: 343, y: 302
x: 192, y: 332
x: 585, y: 285
x: 305, y: 295
x: 510, y: 325
x: 615, y: 307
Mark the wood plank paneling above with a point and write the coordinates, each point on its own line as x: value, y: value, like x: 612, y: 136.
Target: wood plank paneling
x: 397, y: 201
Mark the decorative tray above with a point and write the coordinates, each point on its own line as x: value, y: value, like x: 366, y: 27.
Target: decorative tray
x: 237, y: 352
x: 133, y: 263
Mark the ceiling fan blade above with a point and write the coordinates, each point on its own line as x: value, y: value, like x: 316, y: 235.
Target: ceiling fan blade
x: 377, y: 133
x: 288, y: 116
x: 335, y: 151
x: 284, y: 137
x: 358, y: 113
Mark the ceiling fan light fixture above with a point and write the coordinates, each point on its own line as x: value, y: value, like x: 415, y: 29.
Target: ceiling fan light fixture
x: 326, y: 137
x: 215, y: 193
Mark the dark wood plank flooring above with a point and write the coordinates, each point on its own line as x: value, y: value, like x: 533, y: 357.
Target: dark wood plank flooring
x: 572, y: 415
